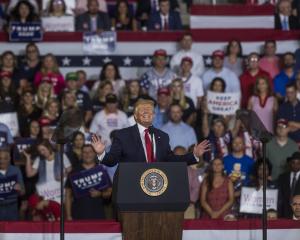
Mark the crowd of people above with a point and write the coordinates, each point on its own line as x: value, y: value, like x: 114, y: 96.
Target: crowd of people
x: 36, y: 91
x: 97, y: 16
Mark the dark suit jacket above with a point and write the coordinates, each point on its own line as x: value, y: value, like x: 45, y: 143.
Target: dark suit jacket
x: 284, y: 193
x: 127, y: 147
x: 83, y: 22
x: 144, y: 6
x: 293, y: 22
x: 174, y: 21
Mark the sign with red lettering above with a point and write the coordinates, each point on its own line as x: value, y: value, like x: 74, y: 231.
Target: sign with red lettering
x: 223, y: 103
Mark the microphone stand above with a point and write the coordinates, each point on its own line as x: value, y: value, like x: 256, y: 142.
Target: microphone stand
x: 62, y: 208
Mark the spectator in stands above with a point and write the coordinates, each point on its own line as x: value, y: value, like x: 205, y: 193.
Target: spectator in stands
x: 81, y: 6
x: 108, y: 119
x: 50, y: 72
x: 43, y: 210
x: 123, y: 19
x: 296, y: 207
x: 263, y: 103
x: 34, y: 130
x: 44, y: 93
x: 110, y: 72
x: 103, y: 90
x: 83, y: 101
x: 68, y: 100
x: 82, y: 80
x: 218, y: 136
x: 187, y: 106
x: 179, y: 132
x: 46, y: 164
x: 131, y: 96
x: 284, y: 19
x: 218, y: 70
x: 74, y: 153
x: 9, y: 204
x: 159, y: 76
x: 92, y: 20
x: 234, y: 57
x: 164, y: 19
x: 56, y: 8
x: 217, y: 193
x: 238, y: 166
x: 186, y: 50
x: 31, y: 64
x: 8, y: 63
x: 86, y: 207
x: 290, y: 110
x: 270, y: 62
x: 280, y: 148
x: 248, y: 78
x: 13, y: 3
x: 146, y: 7
x: 288, y: 186
x: 52, y: 111
x: 286, y: 76
x: 47, y: 128
x: 162, y: 107
x: 27, y: 112
x: 8, y: 93
x: 193, y: 85
x: 297, y: 83
x: 23, y: 12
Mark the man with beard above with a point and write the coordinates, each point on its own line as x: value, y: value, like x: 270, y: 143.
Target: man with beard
x: 286, y: 76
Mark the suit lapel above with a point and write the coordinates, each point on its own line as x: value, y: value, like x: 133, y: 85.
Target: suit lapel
x: 138, y: 143
x: 157, y: 145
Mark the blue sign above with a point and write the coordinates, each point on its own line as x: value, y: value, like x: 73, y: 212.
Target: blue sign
x: 104, y: 42
x: 25, y: 32
x: 22, y: 144
x: 83, y: 181
x: 7, y: 185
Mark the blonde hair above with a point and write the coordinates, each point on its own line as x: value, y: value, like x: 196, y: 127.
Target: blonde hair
x: 182, y: 100
x: 41, y: 101
x: 55, y: 68
x: 142, y: 101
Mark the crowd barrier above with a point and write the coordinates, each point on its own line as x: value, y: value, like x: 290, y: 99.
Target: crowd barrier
x: 110, y: 230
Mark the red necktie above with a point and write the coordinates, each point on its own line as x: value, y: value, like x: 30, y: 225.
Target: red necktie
x: 166, y: 25
x: 148, y: 144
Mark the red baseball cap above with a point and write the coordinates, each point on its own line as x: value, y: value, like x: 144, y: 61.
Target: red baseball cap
x: 44, y: 121
x: 160, y: 52
x: 218, y: 53
x: 282, y: 121
x: 33, y: 201
x: 164, y: 90
x: 187, y: 59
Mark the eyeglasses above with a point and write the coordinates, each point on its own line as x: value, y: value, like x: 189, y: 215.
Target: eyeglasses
x: 253, y: 59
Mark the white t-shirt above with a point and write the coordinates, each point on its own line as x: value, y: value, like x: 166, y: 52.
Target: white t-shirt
x: 193, y: 87
x: 198, y: 62
x: 50, y: 167
x: 103, y: 124
x: 230, y: 78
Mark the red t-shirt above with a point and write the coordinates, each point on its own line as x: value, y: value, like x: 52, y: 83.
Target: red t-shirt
x: 49, y: 213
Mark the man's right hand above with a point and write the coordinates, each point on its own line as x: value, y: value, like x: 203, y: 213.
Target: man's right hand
x: 97, y: 144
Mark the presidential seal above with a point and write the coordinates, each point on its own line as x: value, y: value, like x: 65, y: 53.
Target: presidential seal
x: 154, y: 182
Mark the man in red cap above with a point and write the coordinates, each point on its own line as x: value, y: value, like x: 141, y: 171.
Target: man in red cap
x: 162, y: 107
x: 218, y: 70
x: 158, y: 76
x: 186, y: 51
x: 193, y: 85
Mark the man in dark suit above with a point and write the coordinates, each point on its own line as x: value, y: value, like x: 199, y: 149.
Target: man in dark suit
x: 284, y: 19
x: 146, y: 7
x: 288, y: 186
x: 93, y: 20
x: 142, y: 142
x: 164, y: 19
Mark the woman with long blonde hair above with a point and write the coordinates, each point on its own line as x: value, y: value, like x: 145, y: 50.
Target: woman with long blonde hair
x: 44, y: 93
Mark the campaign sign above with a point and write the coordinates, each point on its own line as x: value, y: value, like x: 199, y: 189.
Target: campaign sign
x: 49, y: 190
x: 252, y: 200
x: 3, y: 139
x: 223, y: 103
x: 7, y: 185
x: 25, y: 32
x: 58, y: 24
x: 99, y: 43
x: 11, y: 121
x: 85, y: 180
x: 22, y: 144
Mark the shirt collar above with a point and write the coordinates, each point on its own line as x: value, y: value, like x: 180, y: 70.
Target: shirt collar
x: 141, y: 128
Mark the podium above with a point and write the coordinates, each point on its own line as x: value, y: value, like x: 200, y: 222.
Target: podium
x: 151, y: 199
